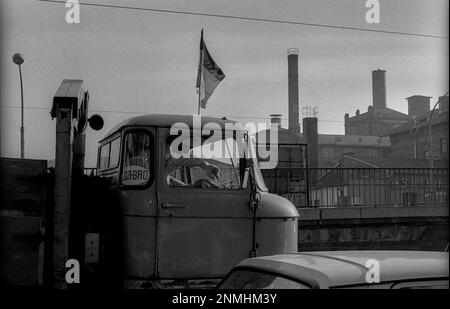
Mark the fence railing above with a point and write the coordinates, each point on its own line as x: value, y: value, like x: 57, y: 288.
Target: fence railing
x: 356, y: 187
x: 347, y: 187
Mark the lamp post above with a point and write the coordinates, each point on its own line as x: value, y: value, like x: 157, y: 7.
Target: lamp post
x: 18, y: 59
x: 429, y: 130
x: 430, y: 139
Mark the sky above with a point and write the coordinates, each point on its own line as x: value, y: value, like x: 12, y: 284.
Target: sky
x: 135, y: 62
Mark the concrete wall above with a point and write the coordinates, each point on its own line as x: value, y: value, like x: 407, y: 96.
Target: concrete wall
x: 381, y: 228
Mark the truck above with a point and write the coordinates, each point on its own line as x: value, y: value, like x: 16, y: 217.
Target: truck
x: 176, y: 225
x: 159, y: 212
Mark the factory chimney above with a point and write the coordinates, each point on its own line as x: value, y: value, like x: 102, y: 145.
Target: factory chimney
x: 294, y: 125
x: 379, y: 88
x: 418, y: 106
x: 310, y: 135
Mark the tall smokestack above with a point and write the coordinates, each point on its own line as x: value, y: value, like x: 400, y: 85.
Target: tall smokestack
x: 379, y: 88
x: 312, y: 140
x: 418, y: 105
x: 294, y: 125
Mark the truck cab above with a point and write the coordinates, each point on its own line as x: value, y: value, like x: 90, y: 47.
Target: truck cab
x: 189, y: 217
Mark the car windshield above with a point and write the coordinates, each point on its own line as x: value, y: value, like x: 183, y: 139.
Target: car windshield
x: 253, y: 279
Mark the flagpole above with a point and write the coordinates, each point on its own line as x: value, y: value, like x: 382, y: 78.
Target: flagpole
x: 200, y: 72
x: 199, y: 91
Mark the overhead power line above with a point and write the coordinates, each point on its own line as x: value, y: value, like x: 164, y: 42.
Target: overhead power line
x: 146, y: 113
x: 266, y: 20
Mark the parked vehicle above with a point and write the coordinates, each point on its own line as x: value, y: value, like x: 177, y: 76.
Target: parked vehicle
x: 342, y: 269
x: 182, y: 218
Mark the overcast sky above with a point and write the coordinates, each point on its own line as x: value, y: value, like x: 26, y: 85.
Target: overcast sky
x: 140, y: 61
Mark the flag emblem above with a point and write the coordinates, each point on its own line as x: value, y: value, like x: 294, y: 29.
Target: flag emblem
x: 209, y: 74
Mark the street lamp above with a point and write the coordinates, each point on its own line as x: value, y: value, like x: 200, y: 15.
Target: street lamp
x: 18, y: 59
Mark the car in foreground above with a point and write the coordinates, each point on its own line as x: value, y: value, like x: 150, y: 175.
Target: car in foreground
x: 342, y: 269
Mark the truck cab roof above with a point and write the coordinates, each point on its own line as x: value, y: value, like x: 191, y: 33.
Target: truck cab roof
x: 167, y: 121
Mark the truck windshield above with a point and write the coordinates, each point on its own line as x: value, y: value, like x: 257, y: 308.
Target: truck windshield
x: 210, y: 163
x: 207, y: 164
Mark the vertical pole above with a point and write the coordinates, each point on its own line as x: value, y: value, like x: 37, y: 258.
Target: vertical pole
x: 307, y: 177
x: 430, y: 140
x: 198, y: 109
x: 200, y: 73
x: 22, y: 128
x: 63, y: 184
x: 429, y: 129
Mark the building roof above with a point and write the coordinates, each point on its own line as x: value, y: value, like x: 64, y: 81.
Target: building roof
x: 381, y: 114
x: 354, y: 140
x: 340, y: 268
x: 287, y: 137
x: 420, y: 123
x: 418, y: 96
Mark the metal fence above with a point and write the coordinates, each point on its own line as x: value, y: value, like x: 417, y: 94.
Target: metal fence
x: 356, y: 187
x: 352, y: 187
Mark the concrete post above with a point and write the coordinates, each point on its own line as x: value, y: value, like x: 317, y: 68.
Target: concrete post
x: 63, y: 184
x: 65, y: 108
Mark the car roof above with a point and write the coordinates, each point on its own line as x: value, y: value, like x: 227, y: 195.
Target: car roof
x: 341, y: 268
x: 167, y: 120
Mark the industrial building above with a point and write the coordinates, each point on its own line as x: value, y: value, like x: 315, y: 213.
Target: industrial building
x: 325, y: 150
x: 411, y: 140
x: 379, y: 118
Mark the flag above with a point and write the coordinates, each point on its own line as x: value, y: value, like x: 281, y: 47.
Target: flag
x: 209, y: 74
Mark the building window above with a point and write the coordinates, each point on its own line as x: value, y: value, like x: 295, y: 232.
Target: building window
x: 373, y: 153
x: 328, y: 153
x: 348, y: 151
x: 444, y: 146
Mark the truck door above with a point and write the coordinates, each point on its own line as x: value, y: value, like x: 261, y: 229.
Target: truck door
x: 137, y: 198
x: 204, y: 226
